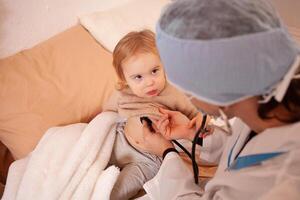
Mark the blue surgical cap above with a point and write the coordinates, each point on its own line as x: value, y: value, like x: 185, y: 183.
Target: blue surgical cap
x: 227, y: 70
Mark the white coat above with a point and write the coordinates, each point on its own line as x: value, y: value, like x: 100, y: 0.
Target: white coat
x: 272, y: 173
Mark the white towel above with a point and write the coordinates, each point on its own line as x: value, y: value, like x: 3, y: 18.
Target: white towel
x: 68, y: 163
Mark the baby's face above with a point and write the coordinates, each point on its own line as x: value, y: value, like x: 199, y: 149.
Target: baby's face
x: 144, y: 74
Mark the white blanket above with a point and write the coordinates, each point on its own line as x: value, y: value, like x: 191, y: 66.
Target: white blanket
x: 68, y: 163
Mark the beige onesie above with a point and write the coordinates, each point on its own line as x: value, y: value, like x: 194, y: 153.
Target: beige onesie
x: 137, y: 166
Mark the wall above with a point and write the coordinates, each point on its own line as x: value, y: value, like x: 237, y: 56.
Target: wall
x: 24, y: 23
x: 289, y: 10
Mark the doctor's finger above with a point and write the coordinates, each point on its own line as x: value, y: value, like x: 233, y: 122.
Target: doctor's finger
x: 168, y: 112
x: 164, y: 126
x: 157, y: 120
x: 161, y: 122
x: 192, y: 122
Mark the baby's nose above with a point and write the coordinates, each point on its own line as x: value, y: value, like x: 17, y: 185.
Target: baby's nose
x: 150, y: 81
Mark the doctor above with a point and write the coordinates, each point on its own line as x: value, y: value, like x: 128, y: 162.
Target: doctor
x: 236, y: 59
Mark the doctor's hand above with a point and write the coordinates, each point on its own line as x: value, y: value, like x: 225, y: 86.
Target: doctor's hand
x: 154, y: 142
x: 174, y: 125
x: 197, y: 121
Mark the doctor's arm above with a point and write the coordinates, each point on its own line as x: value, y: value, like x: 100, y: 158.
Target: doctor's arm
x: 173, y: 180
x: 287, y: 185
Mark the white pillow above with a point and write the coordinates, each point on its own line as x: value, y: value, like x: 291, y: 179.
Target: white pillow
x: 109, y: 26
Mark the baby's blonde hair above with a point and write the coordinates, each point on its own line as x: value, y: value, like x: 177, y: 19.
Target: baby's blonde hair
x: 131, y: 44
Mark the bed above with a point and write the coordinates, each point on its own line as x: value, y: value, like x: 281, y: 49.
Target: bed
x: 65, y: 80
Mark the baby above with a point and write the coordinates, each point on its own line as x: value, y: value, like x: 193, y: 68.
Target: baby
x: 142, y: 89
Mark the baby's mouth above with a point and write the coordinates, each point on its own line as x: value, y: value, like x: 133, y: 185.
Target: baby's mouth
x: 152, y: 92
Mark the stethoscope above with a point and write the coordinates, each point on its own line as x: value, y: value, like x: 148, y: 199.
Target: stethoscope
x: 197, y: 140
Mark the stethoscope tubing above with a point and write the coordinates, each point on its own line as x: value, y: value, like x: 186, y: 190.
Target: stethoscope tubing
x: 192, y: 155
